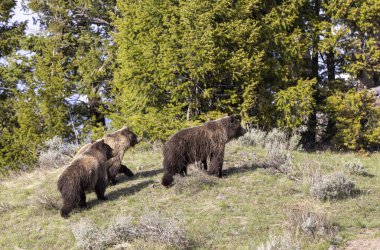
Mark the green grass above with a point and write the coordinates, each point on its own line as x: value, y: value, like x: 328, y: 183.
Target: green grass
x: 239, y: 211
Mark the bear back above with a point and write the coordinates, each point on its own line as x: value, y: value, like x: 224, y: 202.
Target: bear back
x: 87, y: 166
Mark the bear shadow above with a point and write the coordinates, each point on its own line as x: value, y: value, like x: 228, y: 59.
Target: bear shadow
x: 145, y: 174
x: 116, y: 194
x: 241, y: 169
x: 148, y: 173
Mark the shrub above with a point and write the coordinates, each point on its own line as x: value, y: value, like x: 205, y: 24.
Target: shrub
x: 332, y: 187
x: 355, y: 167
x: 56, y: 153
x: 295, y: 142
x: 193, y: 183
x: 295, y: 103
x: 275, y: 138
x: 88, y: 236
x: 155, y: 228
x: 278, y: 157
x: 283, y: 242
x: 357, y: 119
x: 311, y: 222
x: 150, y: 227
x: 255, y: 137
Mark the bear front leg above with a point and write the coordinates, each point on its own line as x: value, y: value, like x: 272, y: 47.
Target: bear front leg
x: 183, y: 172
x: 216, y: 163
x: 82, y: 203
x: 124, y: 170
x: 204, y: 162
x: 100, y: 188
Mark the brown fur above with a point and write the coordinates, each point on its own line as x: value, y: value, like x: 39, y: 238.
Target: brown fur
x: 199, y: 144
x: 86, y: 172
x: 120, y: 141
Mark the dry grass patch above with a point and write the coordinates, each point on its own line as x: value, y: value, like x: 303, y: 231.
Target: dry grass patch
x: 312, y: 222
x: 281, y: 242
x: 46, y: 196
x: 150, y: 228
x: 195, y: 182
x: 5, y: 207
x: 47, y: 200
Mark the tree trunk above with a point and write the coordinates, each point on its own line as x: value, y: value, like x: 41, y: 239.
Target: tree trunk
x: 330, y: 127
x: 309, y: 137
x: 94, y: 112
x: 330, y: 66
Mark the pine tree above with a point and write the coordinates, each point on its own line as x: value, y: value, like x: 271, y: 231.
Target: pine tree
x: 78, y: 40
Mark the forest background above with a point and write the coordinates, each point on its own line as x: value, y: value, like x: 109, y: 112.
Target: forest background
x: 304, y: 66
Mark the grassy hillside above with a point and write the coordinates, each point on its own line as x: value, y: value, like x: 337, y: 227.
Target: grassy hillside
x: 256, y: 202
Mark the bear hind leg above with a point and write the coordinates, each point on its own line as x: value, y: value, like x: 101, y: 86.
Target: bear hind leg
x: 111, y: 173
x: 100, y: 189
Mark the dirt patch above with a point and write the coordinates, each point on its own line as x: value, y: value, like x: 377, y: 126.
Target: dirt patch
x: 366, y: 240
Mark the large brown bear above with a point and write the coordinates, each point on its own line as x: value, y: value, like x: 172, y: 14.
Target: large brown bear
x: 86, y: 172
x: 119, y: 141
x: 198, y: 144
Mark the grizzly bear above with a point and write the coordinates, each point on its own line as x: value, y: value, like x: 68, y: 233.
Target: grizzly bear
x: 86, y: 172
x: 119, y: 141
x: 199, y: 144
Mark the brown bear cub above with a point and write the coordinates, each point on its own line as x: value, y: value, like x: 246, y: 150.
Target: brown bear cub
x: 120, y: 141
x: 86, y: 172
x: 199, y: 144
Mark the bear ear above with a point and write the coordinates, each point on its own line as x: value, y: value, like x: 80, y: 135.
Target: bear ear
x: 99, y: 142
x: 237, y: 117
x: 125, y: 130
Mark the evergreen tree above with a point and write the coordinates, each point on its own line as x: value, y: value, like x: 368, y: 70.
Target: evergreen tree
x: 78, y: 41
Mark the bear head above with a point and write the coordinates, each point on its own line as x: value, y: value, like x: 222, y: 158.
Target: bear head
x: 132, y: 137
x: 233, y: 128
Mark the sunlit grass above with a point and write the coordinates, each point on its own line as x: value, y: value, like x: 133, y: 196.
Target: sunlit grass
x: 239, y: 211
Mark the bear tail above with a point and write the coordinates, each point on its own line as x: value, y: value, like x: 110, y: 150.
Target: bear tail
x: 167, y: 180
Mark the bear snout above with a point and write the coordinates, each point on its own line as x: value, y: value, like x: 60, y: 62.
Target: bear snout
x: 242, y: 131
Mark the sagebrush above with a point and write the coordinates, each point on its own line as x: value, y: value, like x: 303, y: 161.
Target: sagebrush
x: 56, y: 153
x: 150, y: 227
x: 332, y: 187
x: 280, y: 242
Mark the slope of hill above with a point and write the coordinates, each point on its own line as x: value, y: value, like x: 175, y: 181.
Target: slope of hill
x: 257, y: 204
